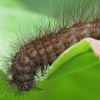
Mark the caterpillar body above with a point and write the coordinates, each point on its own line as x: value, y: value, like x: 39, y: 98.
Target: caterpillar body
x: 44, y: 51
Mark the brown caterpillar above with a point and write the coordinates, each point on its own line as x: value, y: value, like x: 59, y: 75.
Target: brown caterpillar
x: 41, y: 52
x: 44, y: 51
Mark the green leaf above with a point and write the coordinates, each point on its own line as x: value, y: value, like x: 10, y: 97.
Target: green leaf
x: 78, y: 57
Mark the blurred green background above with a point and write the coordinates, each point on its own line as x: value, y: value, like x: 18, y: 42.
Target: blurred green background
x: 15, y: 14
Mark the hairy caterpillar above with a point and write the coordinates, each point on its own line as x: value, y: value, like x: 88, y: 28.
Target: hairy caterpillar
x: 41, y: 52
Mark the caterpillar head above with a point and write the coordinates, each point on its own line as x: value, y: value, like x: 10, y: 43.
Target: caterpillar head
x: 25, y: 86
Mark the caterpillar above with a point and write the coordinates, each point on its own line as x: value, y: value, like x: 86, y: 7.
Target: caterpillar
x: 43, y: 51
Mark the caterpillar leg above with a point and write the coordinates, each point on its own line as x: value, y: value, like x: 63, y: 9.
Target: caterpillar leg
x: 43, y: 70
